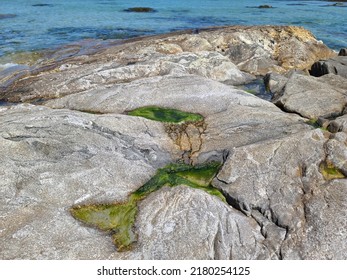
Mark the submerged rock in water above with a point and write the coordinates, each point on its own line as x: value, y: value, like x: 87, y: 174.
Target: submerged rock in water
x: 140, y: 10
x: 42, y: 5
x: 4, y: 16
x: 265, y: 7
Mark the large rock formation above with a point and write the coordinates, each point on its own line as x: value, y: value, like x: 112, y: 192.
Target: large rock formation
x: 212, y: 53
x: 280, y: 192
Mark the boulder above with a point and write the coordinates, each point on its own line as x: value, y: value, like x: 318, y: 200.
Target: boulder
x: 337, y: 66
x: 190, y: 224
x: 339, y: 124
x: 254, y: 50
x: 343, y: 52
x: 275, y: 83
x: 311, y: 98
x: 262, y: 180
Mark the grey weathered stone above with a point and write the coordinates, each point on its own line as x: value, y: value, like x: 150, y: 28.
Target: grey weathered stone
x: 336, y: 65
x: 190, y: 224
x: 337, y: 151
x: 335, y: 81
x: 232, y: 117
x: 339, y: 124
x: 325, y: 228
x: 185, y: 92
x: 255, y: 175
x: 87, y: 158
x: 212, y: 65
x: 263, y: 179
x: 275, y: 83
x: 53, y: 159
x: 311, y: 98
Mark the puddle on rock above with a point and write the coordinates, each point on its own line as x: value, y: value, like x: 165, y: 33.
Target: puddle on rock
x: 165, y: 114
x: 257, y: 88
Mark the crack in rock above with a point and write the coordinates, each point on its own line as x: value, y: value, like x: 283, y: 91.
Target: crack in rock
x: 188, y: 137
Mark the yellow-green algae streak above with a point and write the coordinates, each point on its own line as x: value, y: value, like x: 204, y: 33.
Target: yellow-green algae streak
x: 119, y: 218
x: 165, y: 114
x: 330, y: 172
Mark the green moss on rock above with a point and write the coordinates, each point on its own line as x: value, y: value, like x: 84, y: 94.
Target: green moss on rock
x: 165, y: 114
x: 119, y: 218
x: 330, y: 172
x: 317, y: 124
x: 116, y: 218
x: 313, y: 122
x: 199, y: 176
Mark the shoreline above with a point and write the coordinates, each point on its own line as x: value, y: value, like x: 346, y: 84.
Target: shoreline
x: 90, y: 46
x: 25, y: 27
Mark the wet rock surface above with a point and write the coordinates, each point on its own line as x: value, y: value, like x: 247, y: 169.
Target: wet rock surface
x: 283, y: 163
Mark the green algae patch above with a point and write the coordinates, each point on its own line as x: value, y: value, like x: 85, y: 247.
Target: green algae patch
x: 199, y: 176
x: 317, y: 124
x: 330, y: 172
x: 167, y: 115
x: 119, y: 219
x: 313, y: 122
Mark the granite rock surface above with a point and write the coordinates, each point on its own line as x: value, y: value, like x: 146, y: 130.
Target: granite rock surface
x: 73, y: 142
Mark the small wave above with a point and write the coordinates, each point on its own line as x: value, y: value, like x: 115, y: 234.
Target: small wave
x: 7, y: 65
x: 9, y: 68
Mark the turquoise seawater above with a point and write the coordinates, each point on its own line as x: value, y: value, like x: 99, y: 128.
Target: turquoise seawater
x: 29, y: 25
